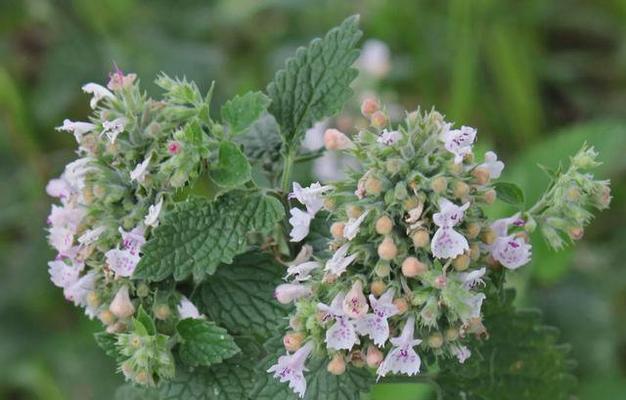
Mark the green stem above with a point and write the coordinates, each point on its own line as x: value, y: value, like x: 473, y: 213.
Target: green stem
x: 287, y: 166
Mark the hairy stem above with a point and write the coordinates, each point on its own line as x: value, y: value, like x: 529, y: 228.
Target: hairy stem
x: 287, y: 166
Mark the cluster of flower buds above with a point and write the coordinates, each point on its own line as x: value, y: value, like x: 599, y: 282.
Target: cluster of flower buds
x: 408, y: 255
x: 134, y: 154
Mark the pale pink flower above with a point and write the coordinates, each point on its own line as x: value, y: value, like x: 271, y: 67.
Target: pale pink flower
x: 473, y: 304
x: 351, y: 228
x: 76, y: 128
x: 355, y: 304
x: 290, y: 292
x: 446, y: 242
x: 133, y: 240
x: 154, y: 211
x: 462, y: 353
x: 375, y: 58
x: 389, y: 138
x: 186, y: 309
x: 118, y: 80
x: 375, y: 325
x: 339, y: 261
x: 112, y: 129
x: 77, y: 292
x: 122, y: 262
x: 473, y: 278
x: 139, y: 172
x: 300, y: 223
x: 91, y: 235
x: 59, y: 188
x: 312, y: 197
x: 290, y: 368
x: 302, y: 272
x: 98, y: 92
x: 459, y: 142
x: 510, y: 251
x: 64, y: 274
x: 492, y: 165
x: 402, y: 358
x: 61, y: 238
x: 342, y: 334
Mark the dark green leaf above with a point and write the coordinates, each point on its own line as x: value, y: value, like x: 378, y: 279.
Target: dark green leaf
x: 509, y: 193
x: 108, y: 343
x: 315, y: 83
x: 204, y: 343
x: 200, y: 234
x: 233, y: 168
x: 240, y: 112
x: 262, y: 142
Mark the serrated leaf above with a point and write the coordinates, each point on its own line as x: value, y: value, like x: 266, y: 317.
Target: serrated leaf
x: 240, y: 297
x: 200, y: 234
x: 509, y: 193
x: 521, y: 360
x: 321, y: 385
x: 108, y: 343
x: 204, y: 343
x: 315, y: 83
x: 233, y: 168
x: 240, y: 112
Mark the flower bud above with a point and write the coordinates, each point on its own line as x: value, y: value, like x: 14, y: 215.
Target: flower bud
x: 174, y: 147
x: 460, y: 189
x: 162, y: 312
x: 93, y: 299
x: 439, y: 184
x: 440, y: 282
x: 488, y: 236
x: 490, y: 196
x: 289, y: 292
x: 387, y: 250
x: 384, y: 225
x: 481, y: 175
x: 106, y: 317
x: 357, y: 358
x: 473, y: 230
x: 369, y: 106
x: 336, y: 140
x: 382, y: 269
x: 452, y: 334
x: 355, y: 304
x: 121, y: 306
x: 377, y: 287
x: 337, y: 365
x: 461, y: 263
x: 475, y: 251
x: 336, y: 230
x: 401, y: 304
x: 373, y: 186
x: 411, y: 203
x: 379, y: 120
x: 117, y: 327
x: 576, y: 233
x: 393, y: 166
x: 354, y: 211
x: 329, y: 204
x: 293, y: 341
x: 143, y: 290
x: 412, y: 267
x: 420, y: 238
x: 374, y: 356
x: 573, y: 194
x: 435, y: 340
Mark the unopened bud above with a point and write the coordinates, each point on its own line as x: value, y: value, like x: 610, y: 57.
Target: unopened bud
x: 174, y: 147
x: 420, y: 238
x: 435, y: 340
x: 439, y: 184
x: 473, y: 230
x: 488, y: 236
x: 573, y: 194
x: 357, y: 358
x: 329, y: 204
x: 393, y: 166
x: 440, y: 282
x: 162, y: 312
x: 369, y: 106
x: 461, y: 263
x: 460, y: 189
x: 382, y: 269
x: 117, y: 327
x: 475, y: 251
x: 106, y: 317
x: 336, y: 140
x: 354, y: 211
x: 293, y: 341
x: 93, y: 299
x: 373, y: 186
x: 411, y: 203
x: 481, y: 175
x: 401, y: 304
x: 452, y: 334
x: 490, y: 196
x: 384, y: 225
x: 412, y: 267
x: 121, y: 306
x: 576, y: 233
x: 336, y: 230
x: 387, y: 250
x: 143, y: 290
x: 379, y: 120
x: 374, y: 356
x: 337, y: 365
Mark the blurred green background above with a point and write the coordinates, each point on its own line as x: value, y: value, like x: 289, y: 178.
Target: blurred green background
x: 537, y: 78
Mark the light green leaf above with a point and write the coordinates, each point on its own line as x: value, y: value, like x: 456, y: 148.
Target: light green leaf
x: 146, y: 321
x: 204, y: 343
x: 233, y: 168
x: 241, y: 112
x: 240, y: 297
x: 509, y: 193
x: 321, y: 385
x: 315, y: 83
x: 200, y: 234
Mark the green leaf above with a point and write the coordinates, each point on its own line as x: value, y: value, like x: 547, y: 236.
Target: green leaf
x: 204, y: 343
x: 521, y: 360
x: 200, y: 234
x: 233, y: 168
x: 262, y: 142
x: 240, y: 297
x: 108, y: 343
x: 240, y: 112
x: 509, y: 193
x: 321, y: 385
x: 315, y: 83
x: 146, y: 321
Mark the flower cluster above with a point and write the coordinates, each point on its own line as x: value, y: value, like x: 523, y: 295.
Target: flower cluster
x: 134, y: 154
x: 410, y: 252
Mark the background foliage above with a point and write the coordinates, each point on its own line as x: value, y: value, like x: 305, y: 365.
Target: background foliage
x: 536, y: 78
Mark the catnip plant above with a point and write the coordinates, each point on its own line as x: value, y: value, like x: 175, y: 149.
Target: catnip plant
x: 215, y: 276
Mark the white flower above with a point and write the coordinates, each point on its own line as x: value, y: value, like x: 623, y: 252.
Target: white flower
x: 402, y: 358
x: 492, y: 165
x: 133, y: 240
x: 510, y: 251
x: 77, y: 292
x: 66, y: 217
x: 111, y: 129
x: 139, y: 173
x: 59, y: 188
x: 152, y: 219
x: 64, y: 275
x: 351, y: 228
x: 91, y: 235
x: 300, y: 222
x: 61, y: 239
x: 311, y: 197
x: 290, y: 368
x: 355, y: 304
x: 122, y: 262
x: 342, y: 334
x: 77, y: 128
x: 473, y: 278
x: 186, y: 309
x: 459, y: 142
x: 389, y: 138
x: 462, y: 353
x: 375, y: 58
x: 98, y: 93
x: 302, y: 272
x: 75, y: 172
x: 446, y: 242
x: 339, y: 262
x: 501, y: 226
x: 290, y: 292
x: 472, y: 308
x: 375, y: 325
